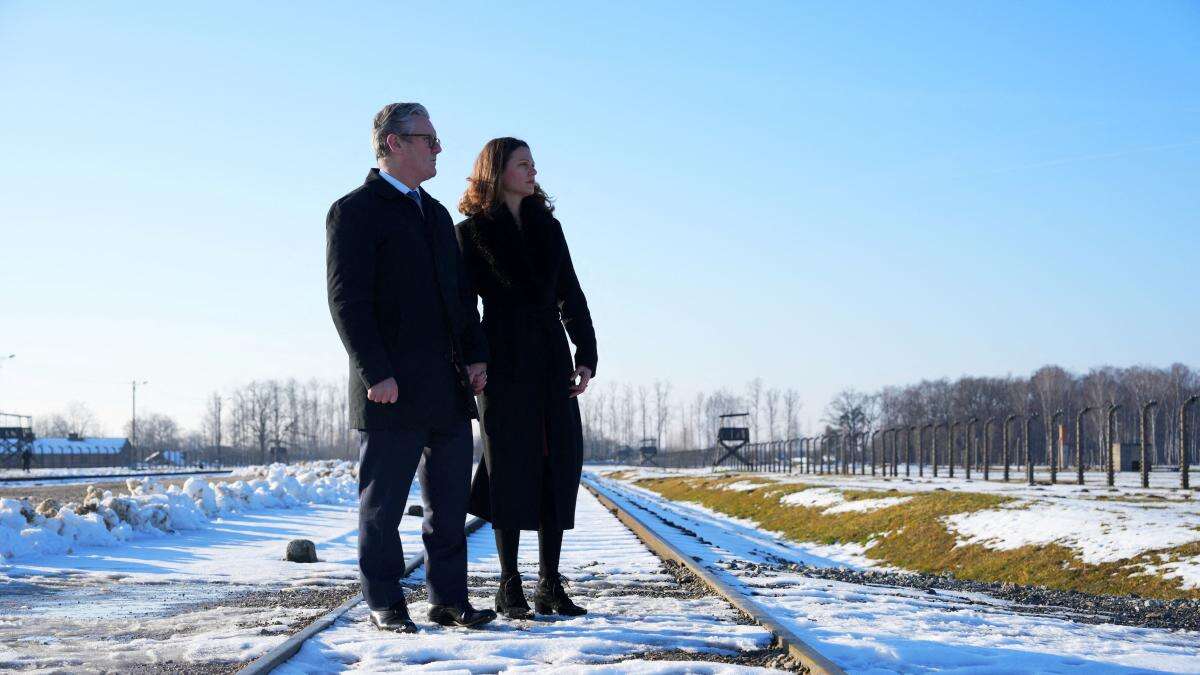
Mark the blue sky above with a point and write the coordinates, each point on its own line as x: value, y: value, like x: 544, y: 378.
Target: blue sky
x: 824, y: 195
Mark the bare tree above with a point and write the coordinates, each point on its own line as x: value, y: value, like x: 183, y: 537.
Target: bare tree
x: 212, y: 422
x: 791, y: 412
x: 772, y: 409
x: 628, y: 412
x: 662, y: 407
x: 849, y: 412
x: 754, y: 393
x: 156, y: 433
x: 54, y: 425
x: 81, y: 419
x: 77, y: 418
x: 642, y: 396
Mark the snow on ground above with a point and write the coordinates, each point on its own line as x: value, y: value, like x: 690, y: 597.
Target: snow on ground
x: 868, y: 629
x: 144, y: 602
x: 157, y: 597
x: 1099, y: 531
x: 1164, y: 485
x: 604, y: 562
x: 743, y: 486
x: 833, y: 501
x: 106, y: 519
x: 1100, y: 524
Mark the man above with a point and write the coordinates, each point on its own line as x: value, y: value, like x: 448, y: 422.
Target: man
x: 400, y: 302
x: 26, y: 459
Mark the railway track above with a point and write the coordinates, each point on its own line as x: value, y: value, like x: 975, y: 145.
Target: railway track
x: 112, y: 476
x: 746, y: 617
x: 814, y: 613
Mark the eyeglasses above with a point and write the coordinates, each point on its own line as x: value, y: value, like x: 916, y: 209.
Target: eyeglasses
x: 430, y: 139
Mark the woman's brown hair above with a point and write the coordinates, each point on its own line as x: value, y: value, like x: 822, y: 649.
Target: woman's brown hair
x: 483, y: 185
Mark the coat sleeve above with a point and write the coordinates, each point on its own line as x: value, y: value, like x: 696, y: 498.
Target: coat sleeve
x: 350, y: 250
x: 575, y: 315
x: 475, y: 347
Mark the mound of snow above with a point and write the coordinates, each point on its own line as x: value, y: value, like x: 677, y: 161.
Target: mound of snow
x: 813, y: 498
x: 105, y: 519
x: 833, y: 501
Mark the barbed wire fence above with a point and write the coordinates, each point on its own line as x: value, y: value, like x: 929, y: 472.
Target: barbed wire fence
x: 1008, y: 448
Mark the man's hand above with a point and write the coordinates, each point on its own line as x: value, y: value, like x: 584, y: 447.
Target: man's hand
x: 384, y: 392
x: 585, y: 375
x: 477, y: 372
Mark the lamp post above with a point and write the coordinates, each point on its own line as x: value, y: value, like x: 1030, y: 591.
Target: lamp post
x: 133, y: 415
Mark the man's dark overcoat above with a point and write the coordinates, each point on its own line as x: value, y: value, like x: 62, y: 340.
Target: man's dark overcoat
x: 399, y: 298
x: 530, y: 292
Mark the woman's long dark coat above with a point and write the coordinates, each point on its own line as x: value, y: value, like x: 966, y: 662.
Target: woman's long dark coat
x: 530, y: 292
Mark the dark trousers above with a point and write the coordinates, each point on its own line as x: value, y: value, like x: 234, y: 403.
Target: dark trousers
x: 387, y: 460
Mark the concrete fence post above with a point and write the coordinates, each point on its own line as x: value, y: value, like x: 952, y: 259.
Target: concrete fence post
x: 874, y: 457
x: 1110, y: 437
x: 1147, y: 441
x: 1079, y: 443
x: 1029, y: 446
x: 1185, y: 442
x: 969, y: 446
x: 1055, y: 443
x: 1007, y: 437
x: 987, y: 447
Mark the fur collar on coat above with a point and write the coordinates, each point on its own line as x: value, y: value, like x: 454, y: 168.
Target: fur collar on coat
x: 526, y: 257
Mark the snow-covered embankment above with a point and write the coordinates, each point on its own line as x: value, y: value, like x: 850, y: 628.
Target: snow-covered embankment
x: 105, y: 519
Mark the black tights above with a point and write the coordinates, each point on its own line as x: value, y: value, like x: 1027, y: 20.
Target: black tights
x: 550, y: 535
x: 549, y: 550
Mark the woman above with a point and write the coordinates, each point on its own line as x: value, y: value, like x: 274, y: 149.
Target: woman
x: 517, y: 259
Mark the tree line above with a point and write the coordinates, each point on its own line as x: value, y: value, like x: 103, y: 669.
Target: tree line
x: 1046, y: 391
x: 238, y: 426
x: 310, y: 419
x: 619, y: 415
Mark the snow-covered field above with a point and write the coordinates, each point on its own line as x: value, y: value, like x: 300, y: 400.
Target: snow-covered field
x: 170, y: 592
x: 1099, y: 523
x: 610, y: 572
x: 882, y: 630
x: 75, y: 599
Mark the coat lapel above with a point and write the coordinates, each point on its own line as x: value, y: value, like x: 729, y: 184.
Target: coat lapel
x: 437, y: 247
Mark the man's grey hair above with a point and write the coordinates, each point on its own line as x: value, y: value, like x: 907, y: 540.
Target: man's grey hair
x: 394, y: 118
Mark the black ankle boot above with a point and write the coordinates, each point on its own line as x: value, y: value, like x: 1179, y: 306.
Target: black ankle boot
x: 510, y: 599
x: 551, y: 598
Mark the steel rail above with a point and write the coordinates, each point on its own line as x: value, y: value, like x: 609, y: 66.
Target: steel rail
x: 797, y: 648
x: 167, y: 474
x: 288, y: 648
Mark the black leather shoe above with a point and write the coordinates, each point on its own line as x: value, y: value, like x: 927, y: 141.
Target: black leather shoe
x: 510, y: 599
x: 394, y: 619
x: 462, y: 615
x: 551, y: 598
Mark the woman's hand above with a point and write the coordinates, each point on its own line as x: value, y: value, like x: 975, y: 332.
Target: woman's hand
x: 585, y: 375
x: 477, y: 373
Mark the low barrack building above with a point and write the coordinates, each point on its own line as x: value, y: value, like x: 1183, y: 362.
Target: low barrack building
x: 81, y: 452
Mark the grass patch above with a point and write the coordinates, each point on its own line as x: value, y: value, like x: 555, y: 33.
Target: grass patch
x: 911, y: 536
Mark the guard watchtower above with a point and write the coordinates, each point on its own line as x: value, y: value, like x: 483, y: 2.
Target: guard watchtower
x: 649, y: 450
x: 732, y: 436
x: 16, y: 438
